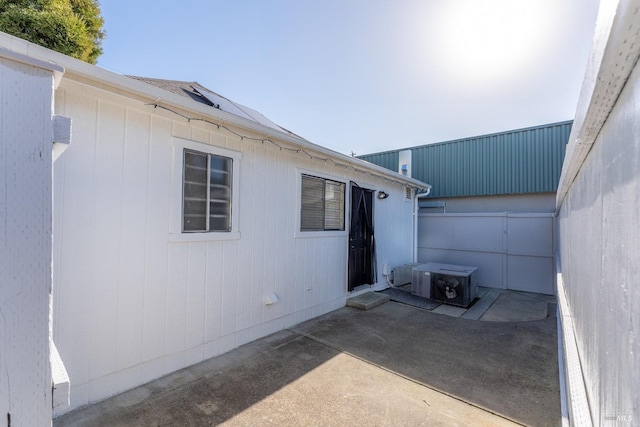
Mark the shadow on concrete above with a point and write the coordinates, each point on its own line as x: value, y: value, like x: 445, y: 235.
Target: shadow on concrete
x: 212, y: 391
x: 509, y: 368
x: 375, y: 367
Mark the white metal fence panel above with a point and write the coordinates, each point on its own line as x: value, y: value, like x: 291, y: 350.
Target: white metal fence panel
x: 25, y: 240
x: 512, y: 251
x: 530, y: 265
x: 464, y: 239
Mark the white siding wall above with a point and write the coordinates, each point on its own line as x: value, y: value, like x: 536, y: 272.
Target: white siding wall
x: 131, y: 306
x: 25, y: 243
x: 599, y: 211
x: 600, y: 250
x: 394, y: 230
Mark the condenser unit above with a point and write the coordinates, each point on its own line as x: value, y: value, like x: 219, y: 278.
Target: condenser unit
x: 421, y: 280
x: 453, y: 284
x: 402, y: 274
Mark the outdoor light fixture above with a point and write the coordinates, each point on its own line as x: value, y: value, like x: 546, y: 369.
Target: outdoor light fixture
x: 382, y: 195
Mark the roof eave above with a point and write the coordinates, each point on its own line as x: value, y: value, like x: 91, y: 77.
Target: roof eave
x: 144, y: 92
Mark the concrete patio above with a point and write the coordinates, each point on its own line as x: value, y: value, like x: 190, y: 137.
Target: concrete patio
x: 391, y: 365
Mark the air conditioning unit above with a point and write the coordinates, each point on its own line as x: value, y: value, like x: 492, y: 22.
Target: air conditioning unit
x: 421, y: 280
x: 402, y: 274
x: 453, y: 284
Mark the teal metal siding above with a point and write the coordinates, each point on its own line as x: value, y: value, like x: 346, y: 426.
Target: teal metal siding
x: 388, y: 160
x: 514, y: 162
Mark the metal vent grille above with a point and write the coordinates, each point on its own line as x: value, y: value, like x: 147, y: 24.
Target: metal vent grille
x: 408, y: 193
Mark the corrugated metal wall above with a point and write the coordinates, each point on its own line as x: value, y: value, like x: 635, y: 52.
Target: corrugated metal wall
x: 388, y: 159
x: 514, y: 162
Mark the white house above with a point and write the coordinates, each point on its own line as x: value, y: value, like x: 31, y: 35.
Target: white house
x: 144, y: 284
x: 185, y: 225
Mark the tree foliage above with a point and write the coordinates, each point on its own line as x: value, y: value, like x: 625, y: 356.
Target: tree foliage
x: 72, y: 27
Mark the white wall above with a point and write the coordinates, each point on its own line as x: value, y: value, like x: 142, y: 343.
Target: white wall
x: 600, y: 256
x: 599, y: 225
x: 512, y: 251
x: 129, y: 304
x: 26, y: 94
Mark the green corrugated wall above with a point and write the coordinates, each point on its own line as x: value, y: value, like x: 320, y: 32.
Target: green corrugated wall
x: 388, y: 160
x: 514, y: 162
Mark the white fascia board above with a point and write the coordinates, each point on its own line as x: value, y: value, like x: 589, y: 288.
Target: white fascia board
x: 55, y: 69
x: 144, y: 92
x: 167, y: 99
x: 614, y: 54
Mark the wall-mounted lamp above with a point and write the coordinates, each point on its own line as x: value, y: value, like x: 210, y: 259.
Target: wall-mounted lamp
x: 382, y: 195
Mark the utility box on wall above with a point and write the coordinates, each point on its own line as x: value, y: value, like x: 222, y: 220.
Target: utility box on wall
x: 404, y: 163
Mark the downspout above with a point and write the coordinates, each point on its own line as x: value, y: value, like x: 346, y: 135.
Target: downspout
x: 414, y: 256
x: 404, y: 168
x: 416, y: 208
x: 60, y: 382
x: 61, y: 385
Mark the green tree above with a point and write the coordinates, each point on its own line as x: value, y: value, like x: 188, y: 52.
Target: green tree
x: 72, y: 27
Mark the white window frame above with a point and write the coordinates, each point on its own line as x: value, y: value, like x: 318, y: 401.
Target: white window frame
x: 347, y: 204
x: 176, y: 234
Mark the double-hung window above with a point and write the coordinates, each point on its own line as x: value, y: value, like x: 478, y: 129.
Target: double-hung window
x: 322, y: 204
x: 205, y: 204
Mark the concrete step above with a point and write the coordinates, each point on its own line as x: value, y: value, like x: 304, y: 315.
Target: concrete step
x: 368, y: 300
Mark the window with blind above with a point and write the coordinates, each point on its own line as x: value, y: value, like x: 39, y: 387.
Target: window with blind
x: 322, y: 204
x: 206, y: 192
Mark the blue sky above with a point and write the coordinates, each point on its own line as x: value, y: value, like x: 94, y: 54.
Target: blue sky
x: 366, y: 75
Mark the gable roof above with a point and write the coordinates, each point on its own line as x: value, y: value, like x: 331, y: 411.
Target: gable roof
x: 519, y: 161
x: 172, y: 97
x: 182, y: 88
x: 203, y: 95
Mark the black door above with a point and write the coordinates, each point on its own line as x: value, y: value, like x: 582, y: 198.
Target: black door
x: 362, y: 264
